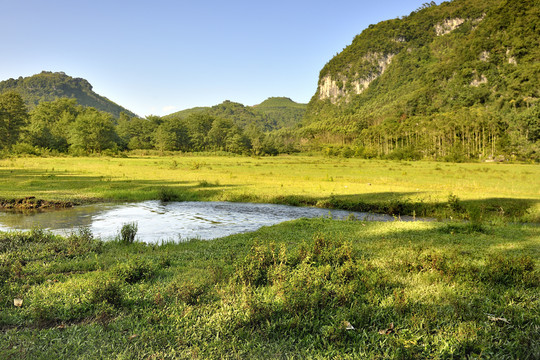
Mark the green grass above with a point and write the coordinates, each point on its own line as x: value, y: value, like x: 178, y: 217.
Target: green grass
x: 410, y: 290
x: 443, y: 190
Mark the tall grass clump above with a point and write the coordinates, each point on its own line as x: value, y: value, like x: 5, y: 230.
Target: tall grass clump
x: 166, y: 194
x: 128, y: 232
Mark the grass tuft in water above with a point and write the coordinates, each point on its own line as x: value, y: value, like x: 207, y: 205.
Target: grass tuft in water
x: 128, y: 232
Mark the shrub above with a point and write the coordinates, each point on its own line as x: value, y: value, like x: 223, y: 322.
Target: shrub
x: 254, y: 269
x: 166, y: 194
x: 190, y: 292
x: 82, y: 242
x: 454, y: 204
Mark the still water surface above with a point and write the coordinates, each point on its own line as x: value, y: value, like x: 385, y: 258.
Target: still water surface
x: 175, y: 221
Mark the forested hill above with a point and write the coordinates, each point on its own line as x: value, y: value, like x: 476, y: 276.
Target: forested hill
x: 272, y: 114
x: 285, y: 112
x: 49, y: 86
x: 459, y: 79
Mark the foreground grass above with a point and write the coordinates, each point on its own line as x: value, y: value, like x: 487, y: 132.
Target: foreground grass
x: 464, y: 191
x: 410, y: 290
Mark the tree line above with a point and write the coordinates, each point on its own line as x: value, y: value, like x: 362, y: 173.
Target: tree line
x: 63, y: 126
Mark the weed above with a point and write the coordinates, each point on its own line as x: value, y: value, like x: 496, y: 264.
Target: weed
x: 82, y: 242
x: 134, y: 270
x: 128, y: 232
x: 204, y: 183
x: 468, y: 227
x: 166, y: 194
x: 454, y: 204
x: 255, y: 267
x: 189, y: 292
x: 506, y: 270
x: 108, y: 291
x: 351, y: 217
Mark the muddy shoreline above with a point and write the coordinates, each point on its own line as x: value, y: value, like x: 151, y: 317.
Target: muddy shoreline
x: 32, y: 203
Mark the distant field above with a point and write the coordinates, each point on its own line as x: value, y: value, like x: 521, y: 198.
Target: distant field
x: 420, y: 188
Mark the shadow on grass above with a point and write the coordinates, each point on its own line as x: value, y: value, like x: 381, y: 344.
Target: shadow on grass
x: 404, y: 203
x: 72, y: 186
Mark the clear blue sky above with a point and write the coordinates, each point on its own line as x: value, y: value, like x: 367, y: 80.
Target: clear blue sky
x: 161, y: 56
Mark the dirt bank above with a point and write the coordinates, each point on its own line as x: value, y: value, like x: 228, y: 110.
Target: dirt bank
x: 30, y: 202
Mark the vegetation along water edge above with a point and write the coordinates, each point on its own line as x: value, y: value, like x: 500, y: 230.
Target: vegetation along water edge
x: 317, y: 288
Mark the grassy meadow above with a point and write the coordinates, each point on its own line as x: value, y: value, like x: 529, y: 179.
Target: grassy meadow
x: 309, y: 288
x: 410, y: 290
x: 507, y: 191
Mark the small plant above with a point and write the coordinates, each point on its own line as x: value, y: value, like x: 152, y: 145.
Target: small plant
x: 454, y: 204
x: 82, y: 242
x: 166, y: 194
x: 204, y: 183
x: 507, y: 270
x: 134, y: 271
x: 190, y: 292
x: 351, y: 217
x: 128, y: 232
x: 108, y: 291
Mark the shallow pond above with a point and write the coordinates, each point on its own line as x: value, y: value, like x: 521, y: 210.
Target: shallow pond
x: 170, y: 221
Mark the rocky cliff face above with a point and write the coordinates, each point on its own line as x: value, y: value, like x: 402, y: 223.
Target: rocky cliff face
x: 341, y: 87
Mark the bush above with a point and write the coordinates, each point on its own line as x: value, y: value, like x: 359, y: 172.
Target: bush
x: 166, y: 194
x: 404, y: 154
x: 189, y: 292
x: 82, y: 242
x: 257, y: 264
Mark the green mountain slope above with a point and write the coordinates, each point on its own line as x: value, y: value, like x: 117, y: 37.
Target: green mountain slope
x: 48, y: 86
x: 272, y: 114
x: 182, y: 114
x: 456, y: 79
x: 285, y: 112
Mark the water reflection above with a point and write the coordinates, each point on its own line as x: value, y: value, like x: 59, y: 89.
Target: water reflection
x: 171, y: 221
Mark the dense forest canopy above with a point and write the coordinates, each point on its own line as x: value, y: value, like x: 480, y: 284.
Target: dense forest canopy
x: 63, y: 126
x: 272, y: 114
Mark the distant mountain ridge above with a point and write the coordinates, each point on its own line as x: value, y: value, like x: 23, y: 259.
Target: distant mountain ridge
x: 48, y: 86
x: 272, y: 114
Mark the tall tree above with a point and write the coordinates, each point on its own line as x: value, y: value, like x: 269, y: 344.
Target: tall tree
x: 49, y: 123
x: 93, y: 131
x: 171, y: 135
x: 13, y: 116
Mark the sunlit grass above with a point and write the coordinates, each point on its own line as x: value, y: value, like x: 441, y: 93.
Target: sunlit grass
x: 505, y: 189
